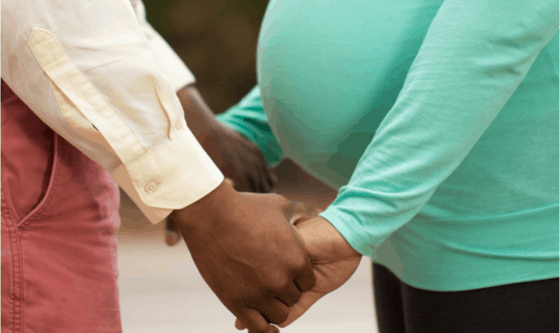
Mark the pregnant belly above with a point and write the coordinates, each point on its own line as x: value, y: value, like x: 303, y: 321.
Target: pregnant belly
x: 329, y: 71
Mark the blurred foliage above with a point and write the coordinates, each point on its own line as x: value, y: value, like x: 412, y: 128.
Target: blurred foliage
x: 216, y: 39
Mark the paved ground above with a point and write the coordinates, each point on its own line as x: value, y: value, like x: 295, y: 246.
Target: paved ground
x: 162, y: 291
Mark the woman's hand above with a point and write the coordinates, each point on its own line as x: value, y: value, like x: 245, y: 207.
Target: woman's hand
x: 333, y: 259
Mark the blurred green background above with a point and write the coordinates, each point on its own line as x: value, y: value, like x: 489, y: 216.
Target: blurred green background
x: 216, y: 39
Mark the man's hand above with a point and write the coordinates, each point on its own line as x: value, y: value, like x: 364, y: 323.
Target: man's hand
x: 248, y: 253
x: 334, y: 261
x: 238, y: 158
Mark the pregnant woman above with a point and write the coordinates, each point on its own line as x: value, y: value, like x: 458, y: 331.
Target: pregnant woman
x: 437, y: 121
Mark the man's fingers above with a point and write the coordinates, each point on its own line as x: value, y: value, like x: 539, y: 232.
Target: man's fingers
x: 275, y: 312
x: 268, y: 180
x: 255, y: 322
x: 264, y: 186
x: 271, y: 177
x: 296, y: 311
x: 306, y: 280
x: 239, y: 325
x: 291, y: 296
x: 252, y: 184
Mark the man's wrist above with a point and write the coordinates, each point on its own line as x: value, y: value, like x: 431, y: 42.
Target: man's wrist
x: 211, y: 207
x: 198, y: 115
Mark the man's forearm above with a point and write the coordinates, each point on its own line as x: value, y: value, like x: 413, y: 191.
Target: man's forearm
x: 198, y: 115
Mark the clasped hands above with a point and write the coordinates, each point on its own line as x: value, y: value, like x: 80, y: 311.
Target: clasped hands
x: 267, y: 259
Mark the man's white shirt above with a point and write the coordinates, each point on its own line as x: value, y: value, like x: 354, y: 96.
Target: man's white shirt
x: 101, y: 77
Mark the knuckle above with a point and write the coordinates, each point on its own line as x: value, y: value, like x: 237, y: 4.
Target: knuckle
x: 243, y: 298
x: 273, y: 288
x: 282, y: 317
x: 280, y: 284
x: 290, y: 298
x: 292, y: 302
x: 278, y: 317
x: 250, y: 298
x: 301, y: 264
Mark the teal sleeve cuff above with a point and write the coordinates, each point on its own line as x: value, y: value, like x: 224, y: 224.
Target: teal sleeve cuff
x: 248, y: 119
x: 354, y: 233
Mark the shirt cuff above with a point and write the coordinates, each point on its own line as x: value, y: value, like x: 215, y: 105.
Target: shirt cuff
x: 169, y: 177
x: 352, y: 232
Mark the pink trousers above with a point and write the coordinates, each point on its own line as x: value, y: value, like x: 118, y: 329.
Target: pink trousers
x: 59, y: 218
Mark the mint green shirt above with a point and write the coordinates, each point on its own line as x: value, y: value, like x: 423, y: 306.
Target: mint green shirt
x: 436, y: 120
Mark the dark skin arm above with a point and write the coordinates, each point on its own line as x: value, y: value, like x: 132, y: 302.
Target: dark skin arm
x: 243, y: 246
x: 241, y: 161
x: 249, y: 254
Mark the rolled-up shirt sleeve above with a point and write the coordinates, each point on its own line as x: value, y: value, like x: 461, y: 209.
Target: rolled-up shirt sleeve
x: 89, y: 71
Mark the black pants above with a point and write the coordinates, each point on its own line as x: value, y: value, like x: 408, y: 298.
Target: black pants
x: 520, y: 307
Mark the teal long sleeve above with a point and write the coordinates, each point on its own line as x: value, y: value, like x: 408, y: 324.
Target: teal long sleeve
x: 474, y: 56
x: 438, y: 122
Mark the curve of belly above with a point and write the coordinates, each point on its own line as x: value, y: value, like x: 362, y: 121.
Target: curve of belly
x: 329, y: 72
